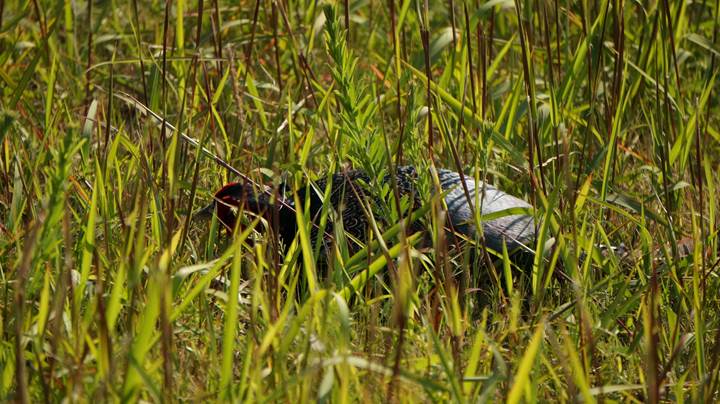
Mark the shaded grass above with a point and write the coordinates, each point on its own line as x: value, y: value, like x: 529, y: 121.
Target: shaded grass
x: 118, y: 120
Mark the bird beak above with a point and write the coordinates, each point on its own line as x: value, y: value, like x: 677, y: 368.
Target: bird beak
x: 206, y: 212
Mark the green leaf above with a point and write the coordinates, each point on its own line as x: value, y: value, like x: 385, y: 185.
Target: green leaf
x: 522, y: 377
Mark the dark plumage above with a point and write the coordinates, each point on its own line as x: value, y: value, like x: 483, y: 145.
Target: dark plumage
x: 516, y: 230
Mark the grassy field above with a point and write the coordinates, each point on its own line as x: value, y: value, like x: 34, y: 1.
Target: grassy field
x: 119, y: 119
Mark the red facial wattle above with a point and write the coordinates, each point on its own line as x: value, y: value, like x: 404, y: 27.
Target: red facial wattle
x: 225, y: 201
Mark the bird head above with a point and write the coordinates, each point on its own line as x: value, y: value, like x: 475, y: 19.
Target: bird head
x: 230, y: 199
x: 237, y: 197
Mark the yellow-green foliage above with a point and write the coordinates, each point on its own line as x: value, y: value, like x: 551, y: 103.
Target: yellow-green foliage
x: 118, y: 119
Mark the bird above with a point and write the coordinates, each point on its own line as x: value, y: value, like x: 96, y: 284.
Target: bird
x: 349, y: 193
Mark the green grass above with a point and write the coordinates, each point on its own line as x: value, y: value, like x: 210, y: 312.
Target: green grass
x: 118, y: 119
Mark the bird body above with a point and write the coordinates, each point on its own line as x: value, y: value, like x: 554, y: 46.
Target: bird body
x: 350, y: 194
x: 515, y: 230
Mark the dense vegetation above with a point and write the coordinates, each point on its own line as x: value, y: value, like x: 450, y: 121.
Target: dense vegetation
x: 119, y: 119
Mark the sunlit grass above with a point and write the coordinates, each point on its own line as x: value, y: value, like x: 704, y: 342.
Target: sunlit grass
x: 120, y: 119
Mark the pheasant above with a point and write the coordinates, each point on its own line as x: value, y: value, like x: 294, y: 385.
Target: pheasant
x: 349, y: 193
